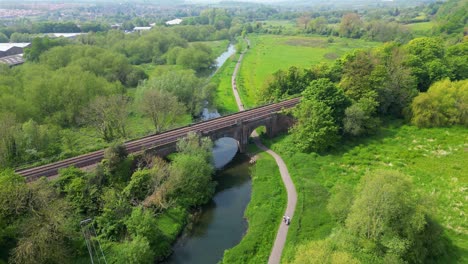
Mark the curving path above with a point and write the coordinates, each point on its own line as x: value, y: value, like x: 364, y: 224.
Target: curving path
x: 275, y: 255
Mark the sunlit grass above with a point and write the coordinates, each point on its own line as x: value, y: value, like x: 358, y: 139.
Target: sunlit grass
x: 270, y: 53
x: 435, y: 159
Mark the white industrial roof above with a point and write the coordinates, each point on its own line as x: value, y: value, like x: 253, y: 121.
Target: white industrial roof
x: 141, y: 28
x: 7, y: 46
x: 65, y: 35
x: 176, y: 21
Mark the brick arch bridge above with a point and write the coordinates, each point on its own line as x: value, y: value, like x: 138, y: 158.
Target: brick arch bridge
x: 238, y: 126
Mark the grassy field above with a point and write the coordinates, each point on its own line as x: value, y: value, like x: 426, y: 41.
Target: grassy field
x: 270, y: 53
x: 435, y: 159
x: 421, y: 29
x: 263, y: 213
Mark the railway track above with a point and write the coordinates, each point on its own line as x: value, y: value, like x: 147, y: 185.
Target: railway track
x: 151, y: 141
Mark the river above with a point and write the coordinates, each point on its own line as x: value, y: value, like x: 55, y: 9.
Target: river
x: 221, y: 224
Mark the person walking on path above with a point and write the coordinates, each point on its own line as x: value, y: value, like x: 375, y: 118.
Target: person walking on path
x: 277, y: 250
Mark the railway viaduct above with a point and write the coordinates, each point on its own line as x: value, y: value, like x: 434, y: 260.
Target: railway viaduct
x: 238, y: 126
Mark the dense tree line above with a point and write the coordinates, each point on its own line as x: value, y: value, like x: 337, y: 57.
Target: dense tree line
x: 351, y: 96
x: 78, y: 85
x: 124, y: 197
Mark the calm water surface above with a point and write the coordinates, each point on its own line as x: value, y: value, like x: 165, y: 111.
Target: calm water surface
x: 221, y: 224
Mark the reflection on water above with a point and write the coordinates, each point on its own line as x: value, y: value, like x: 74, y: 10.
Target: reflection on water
x: 224, y: 150
x: 221, y: 224
x: 223, y: 57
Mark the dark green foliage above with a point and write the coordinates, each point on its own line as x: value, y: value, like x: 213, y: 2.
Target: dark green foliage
x: 40, y: 45
x: 114, y: 155
x: 286, y: 83
x: 140, y: 185
x: 143, y: 223
x: 48, y: 239
x: 323, y: 90
x: 115, y: 210
x: 359, y: 118
x: 3, y: 38
x: 191, y: 178
x: 316, y: 129
x: 188, y: 88
x: 457, y: 57
x: 426, y: 60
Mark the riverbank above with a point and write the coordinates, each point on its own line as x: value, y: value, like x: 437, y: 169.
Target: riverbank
x: 276, y: 251
x: 266, y: 207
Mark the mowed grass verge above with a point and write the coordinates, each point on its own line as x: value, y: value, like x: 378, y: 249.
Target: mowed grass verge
x: 270, y: 53
x: 435, y: 159
x: 224, y: 99
x: 264, y: 214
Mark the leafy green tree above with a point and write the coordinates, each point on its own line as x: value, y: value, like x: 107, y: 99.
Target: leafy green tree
x: 3, y: 38
x: 395, y: 85
x: 142, y: 223
x: 78, y: 190
x: 115, y: 211
x: 114, y: 155
x: 386, y: 213
x: 40, y: 45
x: 140, y: 186
x: 351, y: 26
x: 108, y: 116
x: 425, y: 58
x: 197, y: 57
x: 359, y: 118
x: 316, y: 129
x: 194, y: 145
x: 323, y: 90
x: 189, y: 89
x: 457, y: 56
x: 48, y: 240
x: 135, y: 251
x: 191, y: 180
x: 356, y: 80
x: 162, y: 107
x: 444, y: 104
x: 8, y: 145
x: 286, y: 83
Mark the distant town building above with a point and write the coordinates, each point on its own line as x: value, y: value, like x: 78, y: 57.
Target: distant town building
x: 64, y: 35
x: 176, y: 21
x: 8, y: 49
x: 116, y: 26
x: 141, y: 28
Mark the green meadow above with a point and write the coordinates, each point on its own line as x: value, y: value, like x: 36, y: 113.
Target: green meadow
x: 421, y: 29
x: 270, y: 53
x: 433, y: 158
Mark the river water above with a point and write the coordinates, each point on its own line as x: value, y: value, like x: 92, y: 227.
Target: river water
x: 221, y: 224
